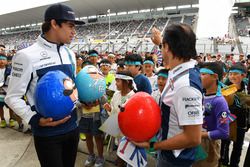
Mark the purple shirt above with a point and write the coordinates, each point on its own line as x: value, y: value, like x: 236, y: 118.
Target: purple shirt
x: 216, y: 117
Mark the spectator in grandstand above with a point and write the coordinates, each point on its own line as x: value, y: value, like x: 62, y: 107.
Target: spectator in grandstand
x: 181, y: 126
x: 93, y: 57
x: 112, y: 58
x: 148, y: 69
x: 215, y: 124
x: 133, y: 64
x: 236, y: 75
x: 56, y: 141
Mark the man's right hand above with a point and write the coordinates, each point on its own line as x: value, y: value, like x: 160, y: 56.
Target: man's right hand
x: 156, y: 36
x: 49, y: 121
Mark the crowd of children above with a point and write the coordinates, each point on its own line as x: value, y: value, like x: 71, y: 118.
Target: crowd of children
x: 125, y: 75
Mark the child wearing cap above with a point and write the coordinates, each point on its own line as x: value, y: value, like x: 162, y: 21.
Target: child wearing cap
x: 215, y: 121
x: 162, y: 77
x: 93, y: 57
x: 124, y: 84
x: 148, y: 68
x: 133, y: 64
x: 236, y: 76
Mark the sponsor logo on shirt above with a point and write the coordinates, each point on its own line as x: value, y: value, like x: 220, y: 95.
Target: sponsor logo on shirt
x: 189, y: 105
x: 193, y: 113
x: 191, y: 98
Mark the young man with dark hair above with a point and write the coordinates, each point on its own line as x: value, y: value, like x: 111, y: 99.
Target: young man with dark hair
x: 181, y: 99
x: 133, y: 64
x: 56, y: 141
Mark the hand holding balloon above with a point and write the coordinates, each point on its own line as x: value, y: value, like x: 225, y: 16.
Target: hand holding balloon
x: 49, y: 121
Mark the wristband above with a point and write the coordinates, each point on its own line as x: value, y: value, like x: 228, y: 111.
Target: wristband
x: 151, y: 144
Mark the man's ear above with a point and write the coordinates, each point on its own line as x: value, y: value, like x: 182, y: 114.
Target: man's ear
x: 165, y: 47
x: 53, y: 24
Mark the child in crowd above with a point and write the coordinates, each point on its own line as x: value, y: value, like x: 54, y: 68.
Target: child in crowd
x: 124, y: 84
x: 4, y: 73
x: 133, y: 64
x: 148, y: 68
x: 216, y: 123
x: 93, y: 57
x: 162, y: 77
x: 237, y: 73
x: 91, y: 114
x: 112, y: 58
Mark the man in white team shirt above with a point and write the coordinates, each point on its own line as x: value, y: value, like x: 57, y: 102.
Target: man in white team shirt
x: 181, y: 99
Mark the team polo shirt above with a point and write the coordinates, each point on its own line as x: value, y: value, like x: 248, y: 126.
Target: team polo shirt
x: 181, y: 105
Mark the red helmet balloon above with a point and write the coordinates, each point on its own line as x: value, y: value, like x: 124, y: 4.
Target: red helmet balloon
x: 140, y: 118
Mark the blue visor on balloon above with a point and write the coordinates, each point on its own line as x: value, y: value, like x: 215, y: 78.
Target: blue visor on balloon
x: 236, y: 71
x: 148, y: 62
x: 206, y: 71
x: 136, y: 63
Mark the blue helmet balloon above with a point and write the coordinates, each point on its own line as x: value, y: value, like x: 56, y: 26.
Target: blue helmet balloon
x: 90, y: 84
x: 54, y: 95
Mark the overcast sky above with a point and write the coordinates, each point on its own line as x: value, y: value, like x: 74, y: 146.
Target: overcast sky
x: 9, y: 6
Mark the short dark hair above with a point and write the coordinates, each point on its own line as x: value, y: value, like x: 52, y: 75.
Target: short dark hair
x: 239, y: 66
x: 46, y: 26
x: 2, y: 45
x: 162, y: 71
x: 181, y: 41
x: 133, y: 58
x: 215, y: 67
x: 93, y: 52
x: 106, y: 61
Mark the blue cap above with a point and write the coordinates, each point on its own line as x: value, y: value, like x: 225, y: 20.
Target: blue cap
x: 61, y: 12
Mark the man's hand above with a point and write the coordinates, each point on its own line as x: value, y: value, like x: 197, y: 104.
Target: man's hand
x: 142, y: 144
x: 49, y: 121
x: 156, y: 36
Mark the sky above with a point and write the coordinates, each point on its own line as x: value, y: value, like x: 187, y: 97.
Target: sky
x: 213, y: 18
x: 9, y: 6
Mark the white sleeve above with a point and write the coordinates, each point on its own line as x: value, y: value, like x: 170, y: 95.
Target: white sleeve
x: 188, y: 106
x: 20, y: 77
x: 73, y: 57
